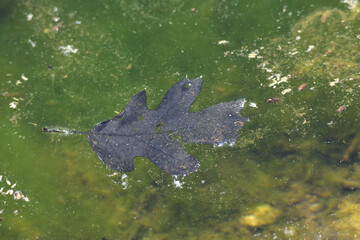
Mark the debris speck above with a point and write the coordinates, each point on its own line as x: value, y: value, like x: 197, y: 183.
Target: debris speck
x: 253, y: 54
x: 57, y: 27
x: 55, y: 19
x: 68, y: 49
x: 273, y: 100
x: 324, y: 17
x: 284, y: 8
x: 302, y: 86
x: 341, y: 109
x: 18, y: 195
x: 286, y: 91
x: 223, y: 42
x: 23, y: 77
x: 33, y: 44
x: 18, y: 82
x: 311, y: 47
x: 336, y: 80
x: 297, y: 38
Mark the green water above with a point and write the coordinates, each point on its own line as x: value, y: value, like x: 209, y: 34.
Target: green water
x: 298, y: 155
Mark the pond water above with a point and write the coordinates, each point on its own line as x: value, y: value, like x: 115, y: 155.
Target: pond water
x: 292, y: 174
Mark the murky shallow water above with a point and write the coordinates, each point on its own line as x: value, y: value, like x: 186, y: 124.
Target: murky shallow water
x: 293, y: 172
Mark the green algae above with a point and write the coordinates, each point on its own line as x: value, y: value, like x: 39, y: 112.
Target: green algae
x: 288, y: 156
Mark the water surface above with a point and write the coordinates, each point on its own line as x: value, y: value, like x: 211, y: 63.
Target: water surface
x: 293, y: 172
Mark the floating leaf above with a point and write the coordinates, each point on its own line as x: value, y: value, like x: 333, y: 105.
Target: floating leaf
x: 159, y: 134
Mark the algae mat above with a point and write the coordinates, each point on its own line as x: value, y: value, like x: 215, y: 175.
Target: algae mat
x: 292, y: 173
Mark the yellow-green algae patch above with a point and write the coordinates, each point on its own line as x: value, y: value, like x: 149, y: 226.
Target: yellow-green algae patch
x: 260, y: 216
x: 318, y: 126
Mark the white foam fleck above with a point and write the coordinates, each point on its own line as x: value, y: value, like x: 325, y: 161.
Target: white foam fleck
x: 311, y: 47
x: 330, y: 123
x: 113, y: 174
x: 123, y: 177
x: 221, y: 144
x: 253, y: 104
x: 288, y: 232
x: 253, y: 54
x: 351, y: 3
x: 241, y: 102
x: 125, y: 185
x: 29, y: 17
x: 177, y: 184
x: 9, y: 192
x: 33, y: 44
x: 23, y: 77
x: 66, y: 50
x: 293, y: 53
x: 286, y: 91
x: 336, y: 80
x: 13, y: 105
x: 222, y: 42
